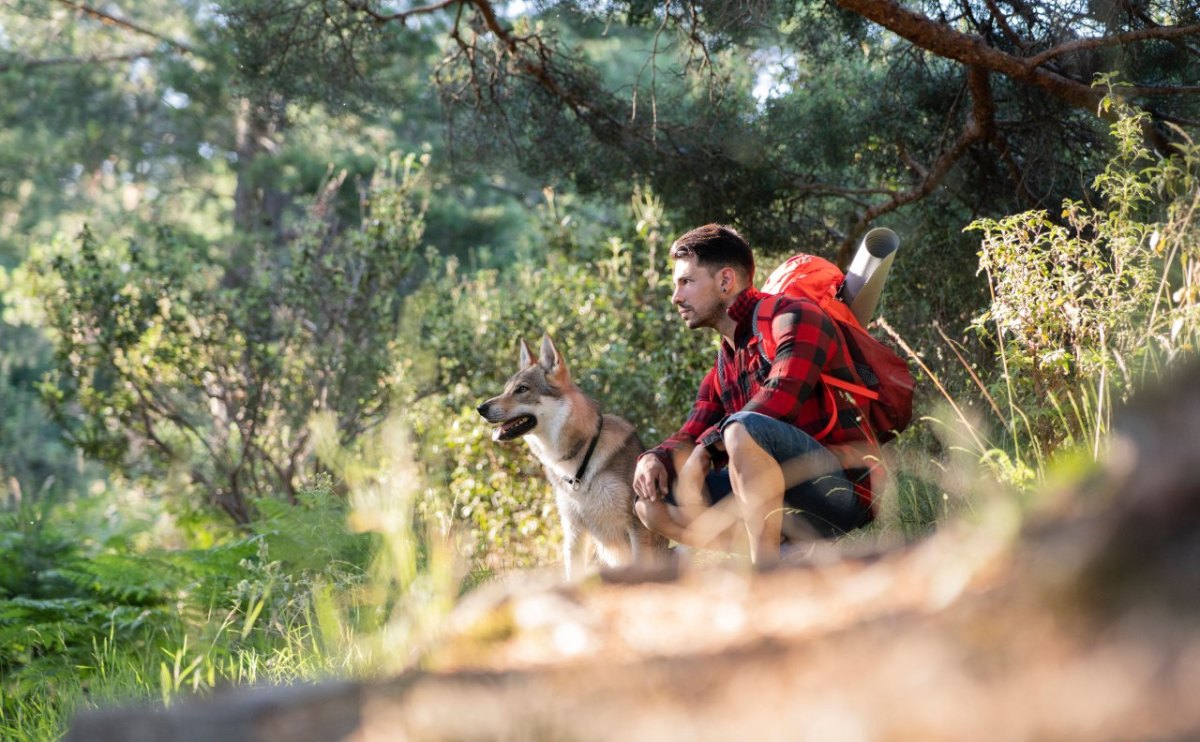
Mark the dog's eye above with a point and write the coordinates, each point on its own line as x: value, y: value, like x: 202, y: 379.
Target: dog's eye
x: 521, y: 389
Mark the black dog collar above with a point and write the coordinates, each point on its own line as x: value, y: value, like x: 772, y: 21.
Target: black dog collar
x: 577, y: 481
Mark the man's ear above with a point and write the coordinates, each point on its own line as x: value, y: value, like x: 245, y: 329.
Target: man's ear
x: 726, y: 279
x: 526, y: 358
x: 552, y: 361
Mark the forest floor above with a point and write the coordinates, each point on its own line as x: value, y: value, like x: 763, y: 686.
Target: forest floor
x: 1081, y: 623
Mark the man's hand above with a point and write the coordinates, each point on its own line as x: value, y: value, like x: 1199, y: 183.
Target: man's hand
x: 650, y: 479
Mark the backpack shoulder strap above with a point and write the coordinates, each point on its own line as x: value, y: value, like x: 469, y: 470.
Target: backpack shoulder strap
x: 763, y: 314
x: 856, y: 387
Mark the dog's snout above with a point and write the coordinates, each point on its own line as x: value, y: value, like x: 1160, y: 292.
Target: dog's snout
x: 482, y: 409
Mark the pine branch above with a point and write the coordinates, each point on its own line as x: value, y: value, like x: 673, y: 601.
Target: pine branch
x: 364, y: 7
x: 979, y: 127
x: 974, y: 51
x: 112, y: 20
x: 28, y: 64
x: 1167, y: 33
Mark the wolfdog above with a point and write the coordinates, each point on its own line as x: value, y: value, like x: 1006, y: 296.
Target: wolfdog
x: 588, y: 457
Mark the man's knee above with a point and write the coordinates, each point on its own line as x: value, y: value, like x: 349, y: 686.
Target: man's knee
x: 650, y: 516
x: 738, y: 440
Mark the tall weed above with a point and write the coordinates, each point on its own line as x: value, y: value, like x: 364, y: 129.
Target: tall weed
x: 1094, y: 302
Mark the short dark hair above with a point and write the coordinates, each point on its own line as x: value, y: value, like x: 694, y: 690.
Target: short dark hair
x: 715, y: 245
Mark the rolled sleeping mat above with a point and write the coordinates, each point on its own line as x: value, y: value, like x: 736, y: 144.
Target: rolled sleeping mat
x: 867, y: 272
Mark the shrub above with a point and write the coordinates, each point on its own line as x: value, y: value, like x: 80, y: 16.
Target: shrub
x: 1088, y: 305
x: 86, y: 622
x: 605, y: 301
x: 171, y: 357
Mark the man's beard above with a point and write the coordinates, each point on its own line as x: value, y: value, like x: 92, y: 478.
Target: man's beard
x: 695, y: 320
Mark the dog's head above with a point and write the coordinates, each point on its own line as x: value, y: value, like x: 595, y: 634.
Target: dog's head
x: 534, y: 391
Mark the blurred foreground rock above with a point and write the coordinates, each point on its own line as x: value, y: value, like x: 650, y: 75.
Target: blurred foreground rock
x: 1083, y: 626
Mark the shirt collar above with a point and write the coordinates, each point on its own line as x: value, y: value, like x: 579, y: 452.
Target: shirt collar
x: 742, y: 312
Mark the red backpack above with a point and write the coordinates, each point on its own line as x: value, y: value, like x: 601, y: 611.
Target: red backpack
x: 884, y: 385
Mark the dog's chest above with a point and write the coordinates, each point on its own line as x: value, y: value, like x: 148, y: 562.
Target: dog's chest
x: 562, y: 472
x: 597, y: 505
x: 597, y: 498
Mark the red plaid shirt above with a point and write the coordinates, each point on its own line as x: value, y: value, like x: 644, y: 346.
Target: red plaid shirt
x: 789, y: 388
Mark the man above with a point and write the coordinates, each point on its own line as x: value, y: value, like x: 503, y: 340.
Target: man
x: 753, y: 429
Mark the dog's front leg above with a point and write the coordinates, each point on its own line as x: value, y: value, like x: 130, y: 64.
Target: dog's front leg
x: 641, y: 545
x: 574, y: 549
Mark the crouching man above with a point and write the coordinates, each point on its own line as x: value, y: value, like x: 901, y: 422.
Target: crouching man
x: 768, y: 450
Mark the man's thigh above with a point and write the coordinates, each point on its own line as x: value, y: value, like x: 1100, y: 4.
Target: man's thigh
x: 817, y: 489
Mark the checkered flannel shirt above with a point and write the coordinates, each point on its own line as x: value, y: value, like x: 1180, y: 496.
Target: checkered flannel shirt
x: 788, y: 389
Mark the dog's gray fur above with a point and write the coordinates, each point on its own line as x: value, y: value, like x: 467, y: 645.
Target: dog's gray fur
x: 558, y: 421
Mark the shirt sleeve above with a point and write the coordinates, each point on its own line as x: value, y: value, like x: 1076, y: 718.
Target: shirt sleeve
x: 804, y: 338
x: 707, y: 412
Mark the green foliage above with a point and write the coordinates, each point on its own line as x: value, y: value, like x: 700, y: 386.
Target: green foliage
x: 99, y: 122
x: 300, y: 597
x: 1090, y: 306
x: 605, y: 301
x: 33, y: 457
x: 193, y: 354
x: 318, y: 50
x: 60, y: 601
x: 168, y: 359
x: 792, y: 120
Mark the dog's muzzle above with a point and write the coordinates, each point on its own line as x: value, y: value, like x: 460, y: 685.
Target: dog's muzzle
x: 506, y: 430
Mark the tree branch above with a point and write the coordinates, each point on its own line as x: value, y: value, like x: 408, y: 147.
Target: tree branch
x: 974, y: 51
x: 28, y: 64
x: 1141, y: 34
x: 362, y: 6
x: 980, y: 126
x: 1150, y: 91
x: 112, y: 20
x: 1002, y: 21
x: 1140, y: 14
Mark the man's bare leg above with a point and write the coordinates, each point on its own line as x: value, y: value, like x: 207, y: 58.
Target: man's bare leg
x: 758, y: 486
x: 712, y: 528
x: 692, y: 521
x: 691, y: 502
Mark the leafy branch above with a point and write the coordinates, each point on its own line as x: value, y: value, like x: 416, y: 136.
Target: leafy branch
x: 162, y: 365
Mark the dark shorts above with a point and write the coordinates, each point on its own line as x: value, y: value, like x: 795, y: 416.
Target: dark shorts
x: 819, y: 492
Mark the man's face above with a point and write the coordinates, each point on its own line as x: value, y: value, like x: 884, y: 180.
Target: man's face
x: 697, y: 294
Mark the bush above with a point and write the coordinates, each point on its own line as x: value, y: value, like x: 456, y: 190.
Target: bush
x: 1090, y: 305
x: 174, y: 357
x: 605, y: 301
x: 86, y: 622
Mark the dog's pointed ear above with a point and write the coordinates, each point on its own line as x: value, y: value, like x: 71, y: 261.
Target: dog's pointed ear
x: 526, y: 359
x: 552, y: 361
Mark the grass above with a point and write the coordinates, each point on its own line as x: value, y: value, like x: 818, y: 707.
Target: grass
x: 37, y: 701
x: 252, y: 610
